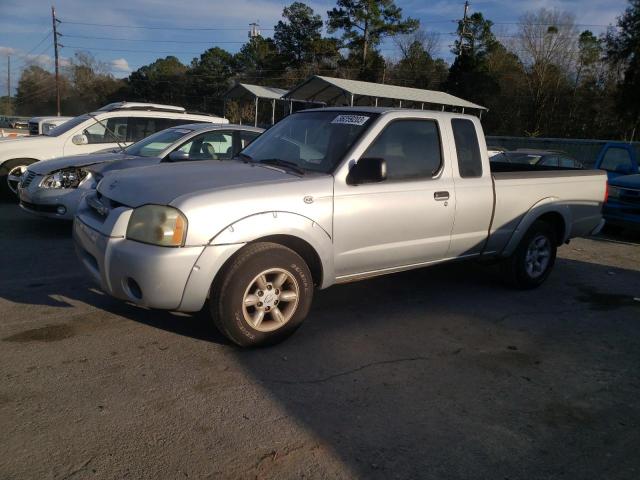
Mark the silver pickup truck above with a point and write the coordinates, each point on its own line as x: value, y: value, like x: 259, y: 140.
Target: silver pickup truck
x: 325, y: 196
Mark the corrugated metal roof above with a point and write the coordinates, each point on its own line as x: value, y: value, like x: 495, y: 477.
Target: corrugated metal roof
x: 247, y: 90
x: 330, y: 90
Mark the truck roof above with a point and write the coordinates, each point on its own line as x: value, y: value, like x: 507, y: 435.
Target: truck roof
x: 380, y: 110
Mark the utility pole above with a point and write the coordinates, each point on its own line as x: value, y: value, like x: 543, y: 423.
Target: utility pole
x: 9, y: 80
x: 55, y: 21
x: 463, y: 30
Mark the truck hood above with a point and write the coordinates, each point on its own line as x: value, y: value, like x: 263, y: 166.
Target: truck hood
x: 47, y: 166
x: 161, y: 184
x: 626, y: 181
x: 19, y: 147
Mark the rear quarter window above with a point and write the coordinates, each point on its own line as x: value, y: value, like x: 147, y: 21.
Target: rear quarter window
x: 467, y: 148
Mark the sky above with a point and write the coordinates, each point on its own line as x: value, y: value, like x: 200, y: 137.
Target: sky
x: 141, y: 31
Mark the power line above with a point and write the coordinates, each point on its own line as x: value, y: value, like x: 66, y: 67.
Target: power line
x: 150, y: 41
x: 165, y: 27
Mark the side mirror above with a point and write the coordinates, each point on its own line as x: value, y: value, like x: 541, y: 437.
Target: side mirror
x: 178, y: 156
x: 80, y: 139
x: 367, y: 170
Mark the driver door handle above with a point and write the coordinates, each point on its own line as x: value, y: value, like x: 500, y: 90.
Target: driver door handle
x: 441, y: 196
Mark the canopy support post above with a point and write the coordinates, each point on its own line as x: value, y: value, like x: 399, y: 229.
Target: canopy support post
x: 273, y: 111
x: 463, y: 110
x: 255, y: 119
x: 480, y: 114
x: 422, y: 106
x: 351, y: 99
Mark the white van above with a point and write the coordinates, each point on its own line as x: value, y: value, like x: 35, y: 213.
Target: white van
x: 114, y: 125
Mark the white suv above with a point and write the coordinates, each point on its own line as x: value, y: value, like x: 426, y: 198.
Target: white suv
x: 121, y: 123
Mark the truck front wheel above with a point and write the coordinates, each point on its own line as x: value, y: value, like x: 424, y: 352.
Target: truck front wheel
x: 262, y: 295
x: 533, y: 260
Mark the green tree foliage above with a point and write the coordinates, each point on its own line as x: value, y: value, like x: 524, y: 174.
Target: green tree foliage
x: 623, y: 49
x: 162, y: 81
x: 365, y: 22
x: 295, y: 37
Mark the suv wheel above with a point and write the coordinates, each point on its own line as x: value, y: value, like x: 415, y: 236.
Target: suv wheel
x: 533, y: 260
x: 262, y: 296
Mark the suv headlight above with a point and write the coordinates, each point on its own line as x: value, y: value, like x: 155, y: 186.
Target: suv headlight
x: 157, y: 225
x: 65, y: 178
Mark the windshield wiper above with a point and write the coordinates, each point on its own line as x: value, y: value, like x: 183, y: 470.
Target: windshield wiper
x: 108, y: 130
x: 283, y: 163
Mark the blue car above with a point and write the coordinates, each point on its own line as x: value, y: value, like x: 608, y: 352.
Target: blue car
x: 622, y: 208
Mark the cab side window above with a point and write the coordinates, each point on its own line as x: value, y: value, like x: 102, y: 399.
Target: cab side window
x: 467, y: 148
x: 410, y: 148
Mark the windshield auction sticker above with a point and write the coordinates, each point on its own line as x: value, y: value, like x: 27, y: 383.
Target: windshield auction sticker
x: 351, y: 119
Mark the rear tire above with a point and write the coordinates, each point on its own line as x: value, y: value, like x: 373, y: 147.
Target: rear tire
x: 262, y: 296
x: 533, y: 259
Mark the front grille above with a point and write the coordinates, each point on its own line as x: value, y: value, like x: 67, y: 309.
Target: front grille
x: 27, y: 179
x: 628, y: 195
x: 34, y: 128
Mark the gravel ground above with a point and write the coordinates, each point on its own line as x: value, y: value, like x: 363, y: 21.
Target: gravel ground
x: 437, y: 373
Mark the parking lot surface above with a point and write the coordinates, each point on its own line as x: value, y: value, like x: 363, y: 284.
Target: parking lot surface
x: 436, y: 373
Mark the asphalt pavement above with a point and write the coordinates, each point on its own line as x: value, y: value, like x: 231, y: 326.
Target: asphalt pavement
x: 440, y: 373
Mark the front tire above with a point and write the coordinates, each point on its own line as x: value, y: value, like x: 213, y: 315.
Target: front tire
x: 10, y: 177
x: 533, y: 260
x: 262, y: 296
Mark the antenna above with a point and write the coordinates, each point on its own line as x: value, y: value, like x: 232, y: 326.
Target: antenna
x: 254, y: 29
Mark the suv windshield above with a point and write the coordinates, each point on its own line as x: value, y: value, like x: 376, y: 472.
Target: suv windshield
x: 66, y: 126
x: 315, y: 141
x: 155, y: 144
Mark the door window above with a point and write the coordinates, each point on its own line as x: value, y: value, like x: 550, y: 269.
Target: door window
x: 410, y: 148
x: 467, y: 147
x: 548, y: 161
x: 617, y: 160
x: 247, y: 137
x: 104, y: 131
x: 209, y: 146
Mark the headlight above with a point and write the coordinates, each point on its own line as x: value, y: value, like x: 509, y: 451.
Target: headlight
x: 67, y: 178
x: 158, y: 225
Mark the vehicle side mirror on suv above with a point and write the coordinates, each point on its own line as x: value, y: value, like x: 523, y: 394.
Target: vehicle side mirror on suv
x: 80, y: 139
x: 367, y: 170
x: 178, y: 156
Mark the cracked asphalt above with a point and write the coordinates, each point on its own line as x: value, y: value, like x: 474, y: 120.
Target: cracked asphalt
x: 438, y: 373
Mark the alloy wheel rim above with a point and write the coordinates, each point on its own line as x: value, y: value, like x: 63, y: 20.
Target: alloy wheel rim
x: 538, y: 256
x: 270, y: 300
x: 15, y: 176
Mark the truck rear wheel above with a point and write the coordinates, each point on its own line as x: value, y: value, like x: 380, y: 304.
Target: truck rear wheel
x: 533, y: 260
x: 262, y: 295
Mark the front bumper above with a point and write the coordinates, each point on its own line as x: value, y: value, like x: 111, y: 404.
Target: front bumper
x: 622, y: 215
x: 177, y: 279
x: 56, y: 203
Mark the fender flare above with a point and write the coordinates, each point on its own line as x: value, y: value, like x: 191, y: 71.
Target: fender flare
x: 282, y: 223
x: 544, y: 206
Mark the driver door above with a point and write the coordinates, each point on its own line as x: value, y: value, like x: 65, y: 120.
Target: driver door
x: 404, y: 220
x: 99, y: 137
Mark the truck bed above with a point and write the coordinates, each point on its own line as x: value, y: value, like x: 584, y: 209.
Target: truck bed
x: 520, y: 189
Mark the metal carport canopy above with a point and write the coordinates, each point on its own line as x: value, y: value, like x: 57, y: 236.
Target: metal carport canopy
x: 244, y: 91
x: 248, y: 91
x: 340, y: 91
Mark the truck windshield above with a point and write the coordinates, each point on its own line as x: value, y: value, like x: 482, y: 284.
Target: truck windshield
x: 315, y: 141
x: 66, y: 126
x: 155, y: 144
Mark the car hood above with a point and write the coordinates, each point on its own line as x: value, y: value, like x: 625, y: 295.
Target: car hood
x: 47, y: 166
x: 163, y: 183
x: 626, y: 181
x: 20, y: 145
